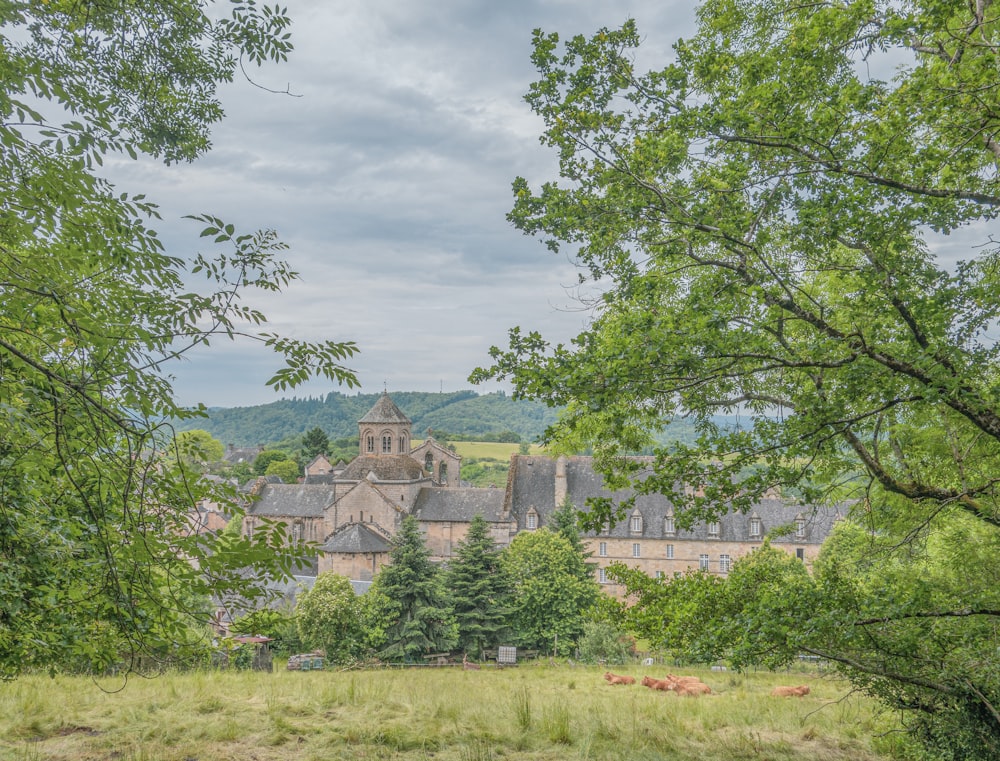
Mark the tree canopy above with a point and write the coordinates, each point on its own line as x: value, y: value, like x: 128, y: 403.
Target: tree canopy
x: 792, y: 221
x: 97, y: 566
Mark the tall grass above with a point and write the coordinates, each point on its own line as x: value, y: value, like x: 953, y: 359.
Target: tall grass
x: 540, y: 712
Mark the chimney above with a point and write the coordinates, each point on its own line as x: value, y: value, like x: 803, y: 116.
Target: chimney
x: 561, y: 489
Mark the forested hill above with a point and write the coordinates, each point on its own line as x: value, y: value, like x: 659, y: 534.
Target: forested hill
x: 462, y: 412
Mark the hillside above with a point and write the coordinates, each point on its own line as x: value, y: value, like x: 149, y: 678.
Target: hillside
x: 462, y: 413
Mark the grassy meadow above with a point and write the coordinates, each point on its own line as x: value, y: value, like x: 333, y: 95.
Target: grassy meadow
x: 533, y: 711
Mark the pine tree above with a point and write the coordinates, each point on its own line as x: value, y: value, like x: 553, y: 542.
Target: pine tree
x: 480, y: 590
x: 424, y: 623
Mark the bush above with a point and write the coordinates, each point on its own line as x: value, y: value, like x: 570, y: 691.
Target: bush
x: 603, y: 643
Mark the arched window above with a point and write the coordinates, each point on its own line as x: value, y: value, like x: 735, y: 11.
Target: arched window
x: 443, y: 473
x: 370, y: 444
x: 429, y: 463
x: 386, y: 444
x: 402, y: 445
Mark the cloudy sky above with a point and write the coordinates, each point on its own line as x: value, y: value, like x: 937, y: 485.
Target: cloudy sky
x: 389, y: 178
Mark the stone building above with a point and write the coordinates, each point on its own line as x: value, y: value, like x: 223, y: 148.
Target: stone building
x: 352, y: 512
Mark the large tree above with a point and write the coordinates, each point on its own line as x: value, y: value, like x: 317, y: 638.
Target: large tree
x: 328, y: 616
x: 480, y: 590
x: 422, y: 620
x: 553, y: 590
x: 791, y: 222
x: 95, y: 562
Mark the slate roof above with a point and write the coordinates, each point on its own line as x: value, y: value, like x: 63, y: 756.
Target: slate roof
x: 356, y: 538
x: 395, y: 467
x: 292, y: 500
x: 532, y: 484
x: 236, y: 454
x: 435, y: 504
x: 384, y: 411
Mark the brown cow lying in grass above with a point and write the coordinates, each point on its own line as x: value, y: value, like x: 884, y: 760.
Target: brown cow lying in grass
x: 618, y: 679
x: 790, y: 692
x: 689, y: 686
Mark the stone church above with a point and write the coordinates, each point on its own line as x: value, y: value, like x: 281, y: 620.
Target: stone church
x: 353, y: 511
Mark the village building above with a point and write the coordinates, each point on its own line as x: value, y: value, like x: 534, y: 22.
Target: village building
x: 353, y: 511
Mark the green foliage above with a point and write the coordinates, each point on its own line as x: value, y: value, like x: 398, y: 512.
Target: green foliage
x: 603, y: 643
x: 553, y: 589
x: 197, y: 448
x: 314, y: 442
x: 485, y: 472
x: 480, y: 591
x: 287, y: 470
x: 328, y: 617
x: 423, y: 621
x: 95, y: 565
x: 763, y: 215
x: 263, y: 461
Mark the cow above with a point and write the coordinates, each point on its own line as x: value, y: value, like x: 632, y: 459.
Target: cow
x: 783, y: 691
x: 688, y: 688
x: 467, y: 665
x: 655, y: 684
x: 618, y: 679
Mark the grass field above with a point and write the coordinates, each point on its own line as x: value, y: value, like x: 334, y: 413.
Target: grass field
x: 534, y: 711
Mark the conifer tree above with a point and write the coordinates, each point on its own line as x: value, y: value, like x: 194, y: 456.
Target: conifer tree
x: 480, y: 590
x: 424, y: 621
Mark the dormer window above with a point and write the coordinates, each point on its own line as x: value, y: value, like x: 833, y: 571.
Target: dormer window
x: 800, y: 527
x: 669, y: 527
x: 713, y: 529
x: 531, y: 520
x: 635, y: 523
x: 755, y: 527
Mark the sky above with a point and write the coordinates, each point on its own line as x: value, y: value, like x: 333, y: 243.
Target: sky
x: 388, y: 173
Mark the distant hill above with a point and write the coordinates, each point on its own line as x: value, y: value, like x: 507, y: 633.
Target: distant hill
x: 462, y: 413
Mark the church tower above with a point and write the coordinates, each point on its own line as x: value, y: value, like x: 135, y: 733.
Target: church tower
x: 384, y: 430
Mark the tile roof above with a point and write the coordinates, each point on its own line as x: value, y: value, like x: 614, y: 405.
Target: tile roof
x: 292, y: 500
x: 384, y: 411
x: 395, y: 467
x: 436, y: 504
x: 532, y: 485
x: 357, y: 538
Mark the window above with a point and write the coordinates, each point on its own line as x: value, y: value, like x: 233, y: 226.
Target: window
x: 670, y: 552
x: 602, y: 576
x: 531, y: 521
x: 387, y: 444
x: 369, y: 443
x: 443, y: 473
x: 635, y: 524
x: 703, y: 562
x: 754, y: 526
x: 603, y: 549
x: 606, y: 528
x: 297, y: 532
x: 800, y: 553
x: 402, y: 445
x: 668, y: 525
x: 713, y: 528
x: 429, y: 463
x: 635, y: 550
x: 725, y: 563
x: 659, y: 574
x: 800, y: 527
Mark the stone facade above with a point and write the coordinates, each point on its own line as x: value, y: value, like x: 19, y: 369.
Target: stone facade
x: 353, y: 512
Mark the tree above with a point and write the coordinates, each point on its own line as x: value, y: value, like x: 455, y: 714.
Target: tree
x: 480, y: 590
x: 198, y: 448
x: 763, y: 216
x: 314, y: 442
x: 328, y: 617
x: 423, y: 622
x: 287, y: 470
x: 552, y: 590
x: 263, y: 461
x: 97, y: 566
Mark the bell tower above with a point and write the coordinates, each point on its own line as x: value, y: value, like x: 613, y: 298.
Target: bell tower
x: 384, y: 429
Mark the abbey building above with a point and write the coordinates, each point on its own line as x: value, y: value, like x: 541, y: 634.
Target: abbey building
x: 353, y: 511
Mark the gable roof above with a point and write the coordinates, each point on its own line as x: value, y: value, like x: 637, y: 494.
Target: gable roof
x: 385, y: 411
x: 397, y: 467
x: 292, y: 500
x: 356, y: 538
x: 460, y: 504
x: 532, y: 486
